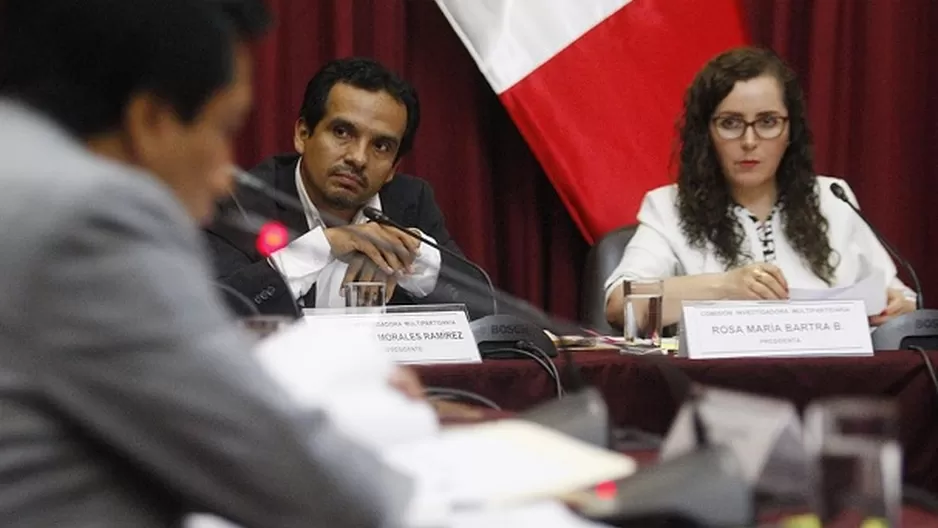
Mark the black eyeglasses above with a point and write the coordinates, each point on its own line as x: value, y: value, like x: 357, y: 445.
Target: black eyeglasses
x: 765, y: 127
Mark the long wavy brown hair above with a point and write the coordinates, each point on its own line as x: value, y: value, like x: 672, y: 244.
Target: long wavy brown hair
x: 704, y: 202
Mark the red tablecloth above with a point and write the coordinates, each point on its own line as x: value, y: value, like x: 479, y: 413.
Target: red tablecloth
x: 639, y: 394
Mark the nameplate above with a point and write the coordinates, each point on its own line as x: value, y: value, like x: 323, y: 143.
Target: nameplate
x: 727, y: 329
x: 764, y: 433
x: 417, y: 337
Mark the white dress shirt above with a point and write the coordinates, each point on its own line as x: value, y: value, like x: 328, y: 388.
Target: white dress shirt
x: 659, y: 248
x: 309, y: 259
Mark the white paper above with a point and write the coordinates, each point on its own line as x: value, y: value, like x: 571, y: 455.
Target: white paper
x: 869, y: 288
x: 509, y: 462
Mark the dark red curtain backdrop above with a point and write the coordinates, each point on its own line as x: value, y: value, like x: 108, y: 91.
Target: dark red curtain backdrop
x: 870, y: 71
x: 869, y: 67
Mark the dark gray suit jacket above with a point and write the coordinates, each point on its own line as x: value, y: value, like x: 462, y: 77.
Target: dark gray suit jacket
x: 127, y: 396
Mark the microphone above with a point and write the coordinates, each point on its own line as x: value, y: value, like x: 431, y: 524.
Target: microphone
x: 377, y: 216
x: 842, y: 195
x: 246, y: 179
x: 269, y: 232
x: 705, y: 487
x: 270, y: 235
x: 916, y: 328
x: 497, y: 335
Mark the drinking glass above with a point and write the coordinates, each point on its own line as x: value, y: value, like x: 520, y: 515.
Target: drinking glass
x: 364, y: 295
x: 856, y: 461
x: 643, y: 303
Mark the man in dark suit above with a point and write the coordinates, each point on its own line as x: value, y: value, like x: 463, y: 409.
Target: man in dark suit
x: 357, y: 121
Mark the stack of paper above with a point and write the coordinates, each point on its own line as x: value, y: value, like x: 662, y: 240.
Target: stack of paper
x: 869, y: 288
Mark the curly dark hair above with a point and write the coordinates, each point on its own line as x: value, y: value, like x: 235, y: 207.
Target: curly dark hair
x: 704, y: 201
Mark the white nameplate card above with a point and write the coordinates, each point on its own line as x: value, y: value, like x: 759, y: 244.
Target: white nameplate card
x: 728, y: 329
x: 412, y: 337
x: 764, y: 433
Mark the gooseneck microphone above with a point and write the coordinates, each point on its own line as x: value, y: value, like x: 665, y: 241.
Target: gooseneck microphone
x: 246, y: 179
x: 377, y: 216
x: 842, y: 195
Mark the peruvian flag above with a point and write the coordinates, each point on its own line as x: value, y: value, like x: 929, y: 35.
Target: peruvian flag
x: 596, y: 87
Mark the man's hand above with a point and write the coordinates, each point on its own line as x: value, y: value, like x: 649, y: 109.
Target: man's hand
x: 392, y: 250
x: 362, y: 269
x: 896, y: 304
x: 374, y: 252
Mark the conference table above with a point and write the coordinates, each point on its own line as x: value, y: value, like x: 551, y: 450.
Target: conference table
x: 645, y: 394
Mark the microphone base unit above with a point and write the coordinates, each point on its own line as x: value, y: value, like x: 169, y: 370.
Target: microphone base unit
x: 505, y: 331
x: 583, y: 415
x: 916, y: 328
x: 705, y: 487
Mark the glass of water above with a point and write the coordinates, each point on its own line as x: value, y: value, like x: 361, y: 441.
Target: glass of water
x: 856, y: 460
x: 643, y: 303
x: 364, y: 295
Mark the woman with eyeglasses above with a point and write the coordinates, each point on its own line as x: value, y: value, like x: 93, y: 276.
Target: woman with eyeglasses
x: 748, y: 218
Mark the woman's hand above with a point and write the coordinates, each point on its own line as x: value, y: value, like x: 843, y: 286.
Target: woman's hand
x: 760, y: 281
x: 896, y: 304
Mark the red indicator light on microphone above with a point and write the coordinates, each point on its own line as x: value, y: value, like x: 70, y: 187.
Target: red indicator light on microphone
x: 271, y: 237
x: 606, y: 490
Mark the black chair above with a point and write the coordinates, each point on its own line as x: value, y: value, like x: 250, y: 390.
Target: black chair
x: 601, y: 260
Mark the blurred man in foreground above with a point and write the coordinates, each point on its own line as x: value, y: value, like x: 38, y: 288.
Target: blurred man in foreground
x: 127, y: 398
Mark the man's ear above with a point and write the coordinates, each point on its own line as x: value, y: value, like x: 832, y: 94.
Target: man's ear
x: 149, y: 127
x: 301, y: 134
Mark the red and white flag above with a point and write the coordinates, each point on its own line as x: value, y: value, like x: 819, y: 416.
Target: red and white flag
x: 596, y: 87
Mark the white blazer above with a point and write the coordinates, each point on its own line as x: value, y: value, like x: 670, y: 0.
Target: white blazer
x: 659, y: 248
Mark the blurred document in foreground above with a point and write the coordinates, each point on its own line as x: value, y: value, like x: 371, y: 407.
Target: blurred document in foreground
x: 508, y: 462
